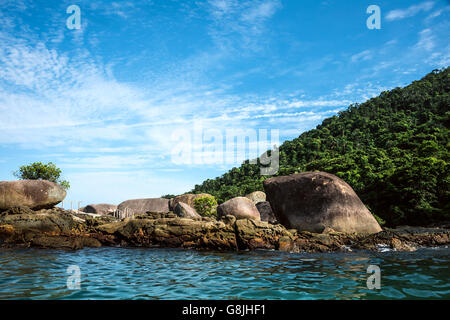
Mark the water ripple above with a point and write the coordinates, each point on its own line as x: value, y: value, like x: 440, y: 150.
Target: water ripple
x: 121, y: 273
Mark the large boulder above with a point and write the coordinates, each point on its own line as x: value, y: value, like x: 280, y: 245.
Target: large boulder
x: 265, y: 211
x: 312, y: 201
x: 240, y: 207
x: 187, y: 198
x: 185, y: 211
x: 35, y: 194
x: 100, y: 208
x: 136, y: 206
x: 257, y: 196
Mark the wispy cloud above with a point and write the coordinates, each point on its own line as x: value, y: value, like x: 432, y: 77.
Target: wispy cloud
x: 426, y: 40
x: 101, y: 102
x: 411, y: 11
x: 362, y: 56
x: 245, y: 19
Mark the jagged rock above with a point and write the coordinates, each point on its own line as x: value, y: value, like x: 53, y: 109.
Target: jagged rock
x: 187, y: 198
x: 256, y: 197
x: 312, y: 201
x: 57, y: 228
x: 35, y: 194
x: 100, y: 208
x: 240, y: 207
x: 185, y: 211
x: 137, y: 206
x: 253, y: 234
x: 266, y: 212
x: 174, y: 232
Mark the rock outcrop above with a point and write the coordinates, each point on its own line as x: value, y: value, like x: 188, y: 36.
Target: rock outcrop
x: 256, y: 197
x: 138, y: 206
x: 239, y: 207
x: 265, y: 211
x: 35, y: 194
x: 101, y: 208
x: 57, y: 228
x: 185, y: 211
x: 187, y: 198
x: 312, y: 201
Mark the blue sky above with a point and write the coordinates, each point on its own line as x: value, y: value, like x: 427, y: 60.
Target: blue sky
x: 103, y: 102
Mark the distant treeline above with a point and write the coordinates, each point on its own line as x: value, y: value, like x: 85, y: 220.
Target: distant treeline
x: 393, y: 150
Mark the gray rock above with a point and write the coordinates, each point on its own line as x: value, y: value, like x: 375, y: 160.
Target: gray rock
x: 185, y: 211
x: 240, y: 207
x: 187, y: 198
x: 257, y: 196
x: 312, y: 201
x: 140, y: 206
x: 35, y: 194
x: 100, y: 208
x: 266, y: 212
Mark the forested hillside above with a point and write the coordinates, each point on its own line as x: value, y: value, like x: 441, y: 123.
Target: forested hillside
x: 394, y: 150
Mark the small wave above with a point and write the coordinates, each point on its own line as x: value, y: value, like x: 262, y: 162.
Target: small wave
x: 382, y: 247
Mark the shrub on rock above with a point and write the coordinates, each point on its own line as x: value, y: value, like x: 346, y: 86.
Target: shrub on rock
x: 206, y: 206
x: 187, y: 198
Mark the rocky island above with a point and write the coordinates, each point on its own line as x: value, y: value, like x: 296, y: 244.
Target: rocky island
x: 304, y: 212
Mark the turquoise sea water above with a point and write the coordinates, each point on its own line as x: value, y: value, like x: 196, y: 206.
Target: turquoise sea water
x: 130, y: 273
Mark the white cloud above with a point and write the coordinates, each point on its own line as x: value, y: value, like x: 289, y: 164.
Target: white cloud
x: 244, y: 19
x: 436, y: 14
x: 261, y: 11
x: 399, y: 14
x: 426, y: 40
x: 362, y: 56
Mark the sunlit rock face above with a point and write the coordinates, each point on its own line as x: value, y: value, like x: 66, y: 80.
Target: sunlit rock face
x: 137, y: 206
x: 240, y: 207
x: 35, y: 194
x: 312, y: 201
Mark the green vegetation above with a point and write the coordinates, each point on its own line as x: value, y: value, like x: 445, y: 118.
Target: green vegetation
x: 394, y: 150
x: 42, y: 171
x: 206, y: 206
x: 168, y: 196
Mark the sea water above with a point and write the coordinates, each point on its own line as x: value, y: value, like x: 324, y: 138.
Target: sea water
x: 138, y: 273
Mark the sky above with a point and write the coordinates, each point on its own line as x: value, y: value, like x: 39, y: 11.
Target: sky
x: 111, y: 102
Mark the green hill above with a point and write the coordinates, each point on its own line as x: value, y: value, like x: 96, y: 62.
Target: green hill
x: 394, y: 150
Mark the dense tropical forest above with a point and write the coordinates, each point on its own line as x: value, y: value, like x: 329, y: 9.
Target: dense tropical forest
x: 394, y: 150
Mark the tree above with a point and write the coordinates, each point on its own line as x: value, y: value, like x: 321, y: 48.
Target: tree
x: 168, y: 196
x: 42, y: 171
x: 206, y: 206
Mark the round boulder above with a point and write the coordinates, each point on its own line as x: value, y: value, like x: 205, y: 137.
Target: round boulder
x: 240, y: 207
x: 187, y: 198
x: 257, y: 196
x: 312, y: 201
x: 184, y: 211
x: 158, y: 205
x: 35, y: 194
x: 100, y: 208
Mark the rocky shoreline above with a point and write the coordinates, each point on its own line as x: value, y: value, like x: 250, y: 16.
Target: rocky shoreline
x: 21, y: 227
